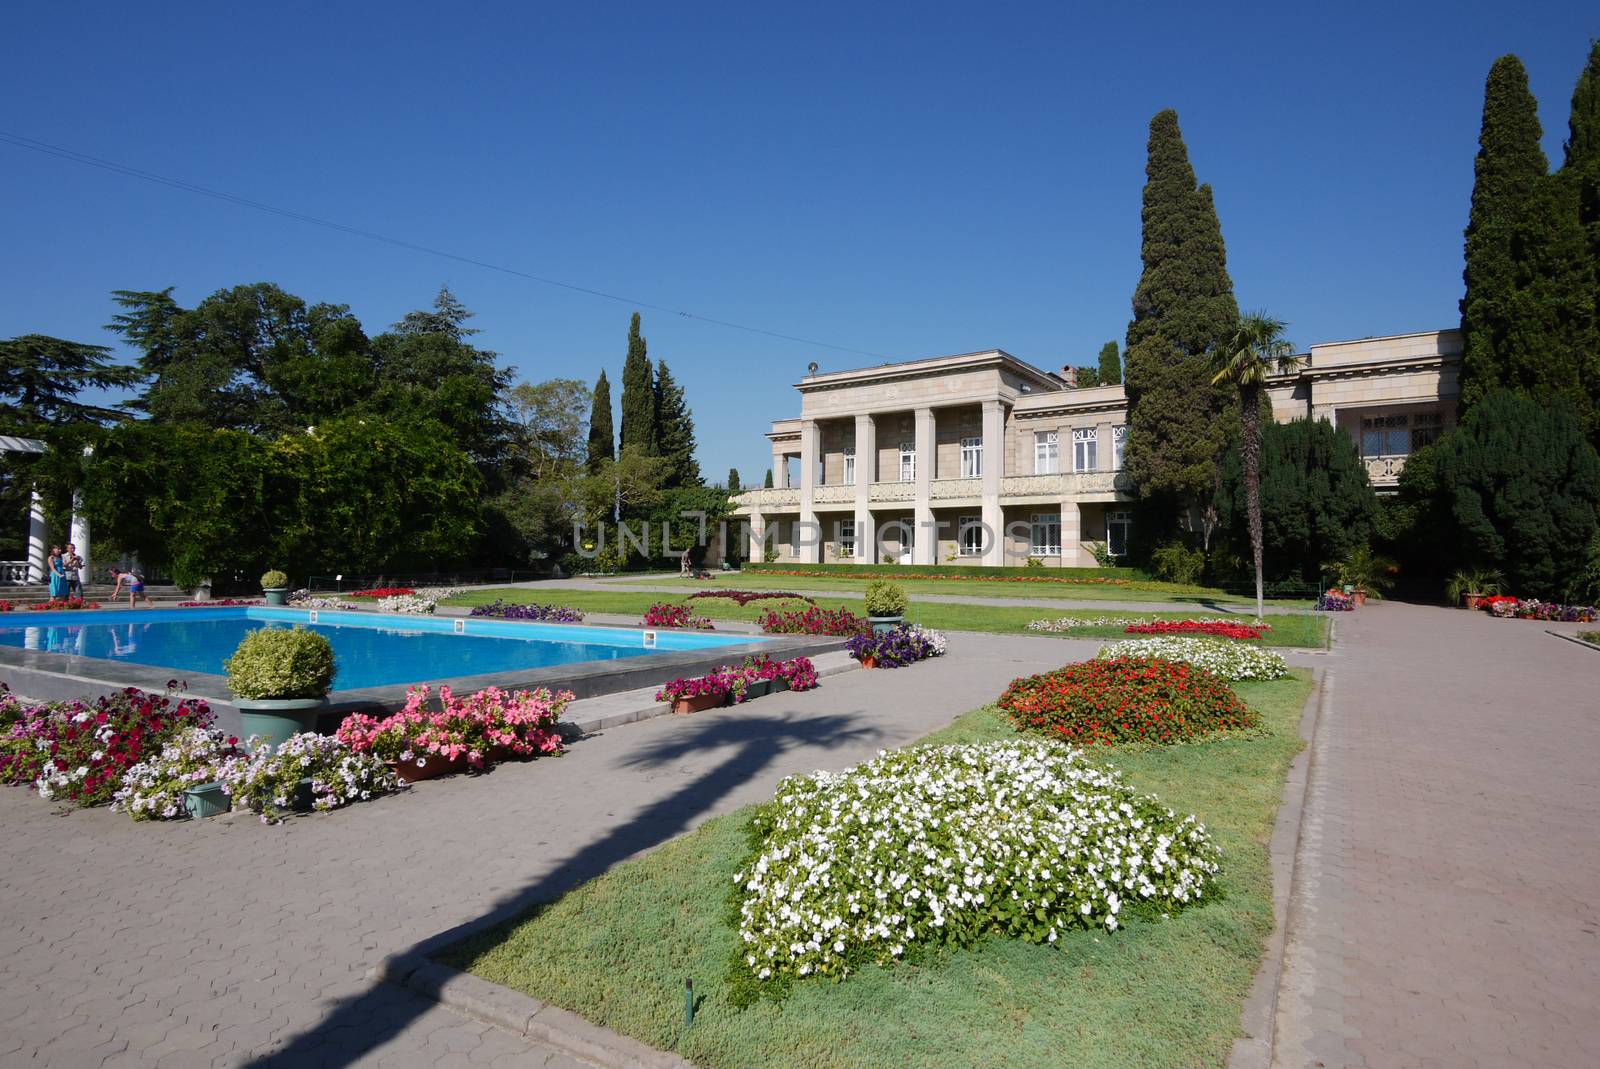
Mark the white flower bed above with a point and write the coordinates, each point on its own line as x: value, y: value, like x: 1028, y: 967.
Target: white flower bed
x: 1223, y: 658
x: 945, y: 844
x: 936, y: 640
x: 1073, y: 623
x: 422, y: 603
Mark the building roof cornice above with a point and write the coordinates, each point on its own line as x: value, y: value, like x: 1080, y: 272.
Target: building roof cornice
x: 933, y: 366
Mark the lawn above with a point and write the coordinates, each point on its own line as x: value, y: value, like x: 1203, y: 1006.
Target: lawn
x: 1304, y: 630
x: 617, y: 949
x: 1134, y: 590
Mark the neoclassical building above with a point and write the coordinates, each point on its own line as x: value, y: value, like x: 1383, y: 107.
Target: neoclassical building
x: 916, y: 462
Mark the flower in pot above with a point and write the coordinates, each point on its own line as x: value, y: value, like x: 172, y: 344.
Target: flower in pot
x: 1365, y: 573
x: 886, y: 604
x: 275, y: 585
x: 1471, y: 587
x: 280, y: 680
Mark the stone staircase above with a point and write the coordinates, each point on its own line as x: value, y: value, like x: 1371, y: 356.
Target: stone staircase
x: 22, y: 595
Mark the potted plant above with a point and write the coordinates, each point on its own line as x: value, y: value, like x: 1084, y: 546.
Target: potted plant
x: 1471, y: 587
x: 886, y: 605
x: 275, y: 585
x: 1365, y: 573
x: 280, y: 679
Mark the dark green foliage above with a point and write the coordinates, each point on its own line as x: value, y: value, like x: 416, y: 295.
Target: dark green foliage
x: 638, y: 397
x: 1316, y: 501
x: 602, y: 443
x: 1178, y: 423
x: 41, y: 376
x: 733, y: 481
x: 1522, y: 486
x: 1414, y: 524
x: 1086, y: 377
x: 1110, y: 370
x: 768, y: 483
x: 1581, y: 168
x: 674, y: 430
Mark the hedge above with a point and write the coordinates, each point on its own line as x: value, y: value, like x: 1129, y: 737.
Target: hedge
x: 978, y: 571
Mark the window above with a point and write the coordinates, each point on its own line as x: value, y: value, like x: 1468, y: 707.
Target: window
x: 847, y: 538
x: 908, y: 462
x: 1426, y: 428
x: 971, y: 458
x: 1399, y: 434
x: 1046, y: 452
x: 1084, y: 443
x: 1119, y: 440
x: 1046, y: 537
x: 969, y: 531
x: 1117, y: 524
x: 849, y: 465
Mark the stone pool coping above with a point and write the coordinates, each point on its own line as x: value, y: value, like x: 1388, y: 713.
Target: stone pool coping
x: 60, y: 676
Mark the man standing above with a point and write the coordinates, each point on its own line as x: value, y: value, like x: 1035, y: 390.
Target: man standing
x: 74, y: 566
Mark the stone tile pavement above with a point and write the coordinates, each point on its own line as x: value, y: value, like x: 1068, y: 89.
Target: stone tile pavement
x: 229, y: 943
x: 1444, y: 911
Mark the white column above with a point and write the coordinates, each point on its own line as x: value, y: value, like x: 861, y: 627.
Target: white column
x: 994, y: 455
x: 780, y: 468
x: 926, y: 546
x: 1070, y: 529
x: 80, y: 535
x: 38, y: 539
x: 808, y: 538
x: 758, y: 536
x: 866, y: 447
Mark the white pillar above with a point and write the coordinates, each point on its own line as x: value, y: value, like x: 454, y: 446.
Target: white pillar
x: 80, y: 535
x: 780, y: 468
x: 925, y: 547
x: 866, y: 447
x: 1070, y: 534
x: 808, y: 537
x: 758, y: 536
x: 994, y: 454
x: 38, y: 539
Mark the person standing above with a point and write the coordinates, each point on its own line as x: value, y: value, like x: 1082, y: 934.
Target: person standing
x: 74, y: 565
x: 58, y: 574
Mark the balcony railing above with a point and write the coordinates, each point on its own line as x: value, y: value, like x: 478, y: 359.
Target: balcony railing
x: 1062, y: 485
x: 1385, y: 469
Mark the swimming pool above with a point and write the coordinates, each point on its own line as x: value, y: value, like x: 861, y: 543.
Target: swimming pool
x: 370, y: 650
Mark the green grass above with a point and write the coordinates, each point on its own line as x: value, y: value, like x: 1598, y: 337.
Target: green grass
x: 1135, y: 590
x: 617, y: 949
x: 1304, y: 630
x: 1590, y: 636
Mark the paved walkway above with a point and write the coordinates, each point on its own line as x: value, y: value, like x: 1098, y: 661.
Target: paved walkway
x: 228, y: 943
x: 1445, y: 910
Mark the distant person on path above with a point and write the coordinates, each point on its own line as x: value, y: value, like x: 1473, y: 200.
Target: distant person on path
x: 74, y: 565
x: 135, y: 587
x: 58, y: 574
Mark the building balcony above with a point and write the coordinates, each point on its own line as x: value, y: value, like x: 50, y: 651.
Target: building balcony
x: 1384, y: 471
x: 1064, y: 484
x: 1092, y: 485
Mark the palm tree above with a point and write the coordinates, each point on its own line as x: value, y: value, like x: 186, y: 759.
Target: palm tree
x: 1256, y: 349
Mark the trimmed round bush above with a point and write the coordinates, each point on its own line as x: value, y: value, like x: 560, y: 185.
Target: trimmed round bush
x: 1129, y: 699
x: 884, y: 598
x: 276, y: 662
x: 943, y: 845
x: 274, y: 580
x: 1233, y: 661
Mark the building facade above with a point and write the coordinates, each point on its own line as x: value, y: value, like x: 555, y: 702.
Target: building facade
x: 984, y: 459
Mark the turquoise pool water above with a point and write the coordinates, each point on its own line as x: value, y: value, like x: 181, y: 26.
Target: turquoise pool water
x: 371, y: 651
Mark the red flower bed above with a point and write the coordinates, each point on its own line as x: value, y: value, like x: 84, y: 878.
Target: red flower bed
x: 6, y: 606
x: 813, y: 621
x: 1133, y: 699
x: 381, y: 592
x: 666, y: 614
x: 1198, y: 627
x: 61, y: 604
x: 745, y: 597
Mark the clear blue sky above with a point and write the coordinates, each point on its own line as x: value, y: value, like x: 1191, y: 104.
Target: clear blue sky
x: 909, y: 180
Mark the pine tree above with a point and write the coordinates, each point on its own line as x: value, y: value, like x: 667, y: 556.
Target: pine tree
x: 1110, y: 364
x: 1179, y: 423
x: 602, y: 444
x: 768, y: 483
x: 733, y: 481
x: 1087, y: 376
x: 1581, y: 171
x: 675, y: 430
x: 41, y: 377
x: 638, y: 397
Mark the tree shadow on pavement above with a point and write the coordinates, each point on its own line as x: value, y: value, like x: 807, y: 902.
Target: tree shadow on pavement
x: 358, y: 1025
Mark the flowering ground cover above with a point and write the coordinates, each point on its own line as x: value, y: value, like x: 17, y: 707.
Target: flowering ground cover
x: 1130, y: 699
x: 478, y: 727
x: 666, y: 614
x: 813, y: 620
x: 62, y: 605
x: 381, y: 592
x: 898, y: 646
x: 1222, y: 629
x: 219, y: 603
x: 1065, y: 624
x: 733, y: 681
x: 504, y: 610
x: 1223, y: 658
x: 1155, y: 993
x: 745, y: 597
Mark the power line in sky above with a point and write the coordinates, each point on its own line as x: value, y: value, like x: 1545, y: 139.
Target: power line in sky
x: 72, y: 155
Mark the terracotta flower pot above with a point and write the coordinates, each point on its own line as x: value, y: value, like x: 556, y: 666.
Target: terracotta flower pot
x: 869, y: 662
x: 1473, y: 601
x: 1360, y: 598
x: 697, y: 703
x: 410, y: 771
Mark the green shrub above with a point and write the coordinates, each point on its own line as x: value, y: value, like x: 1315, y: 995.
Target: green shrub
x: 275, y: 662
x: 1178, y: 563
x: 913, y: 571
x: 274, y: 580
x: 1034, y: 564
x: 885, y: 598
x: 1102, y: 554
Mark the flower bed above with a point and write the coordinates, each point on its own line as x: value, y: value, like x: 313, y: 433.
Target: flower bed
x: 735, y: 681
x: 947, y: 845
x: 478, y: 729
x: 267, y: 780
x: 1233, y: 661
x: 62, y: 604
x: 1073, y: 623
x: 745, y: 597
x: 1216, y: 629
x: 1134, y: 699
x: 304, y: 599
x: 219, y: 603
x: 812, y: 620
x: 6, y: 606
x: 382, y: 592
x: 77, y: 752
x: 1507, y: 608
x: 502, y: 610
x: 666, y: 614
x: 1335, y: 601
x: 897, y: 647
x: 153, y: 788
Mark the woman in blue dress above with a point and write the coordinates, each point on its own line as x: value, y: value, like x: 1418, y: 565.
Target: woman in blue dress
x: 58, y: 573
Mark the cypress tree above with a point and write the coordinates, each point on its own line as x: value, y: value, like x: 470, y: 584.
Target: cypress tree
x: 638, y: 396
x: 602, y: 444
x: 1179, y: 423
x: 674, y: 430
x: 733, y: 481
x: 1509, y: 166
x: 1581, y: 171
x: 768, y: 483
x: 1110, y: 364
